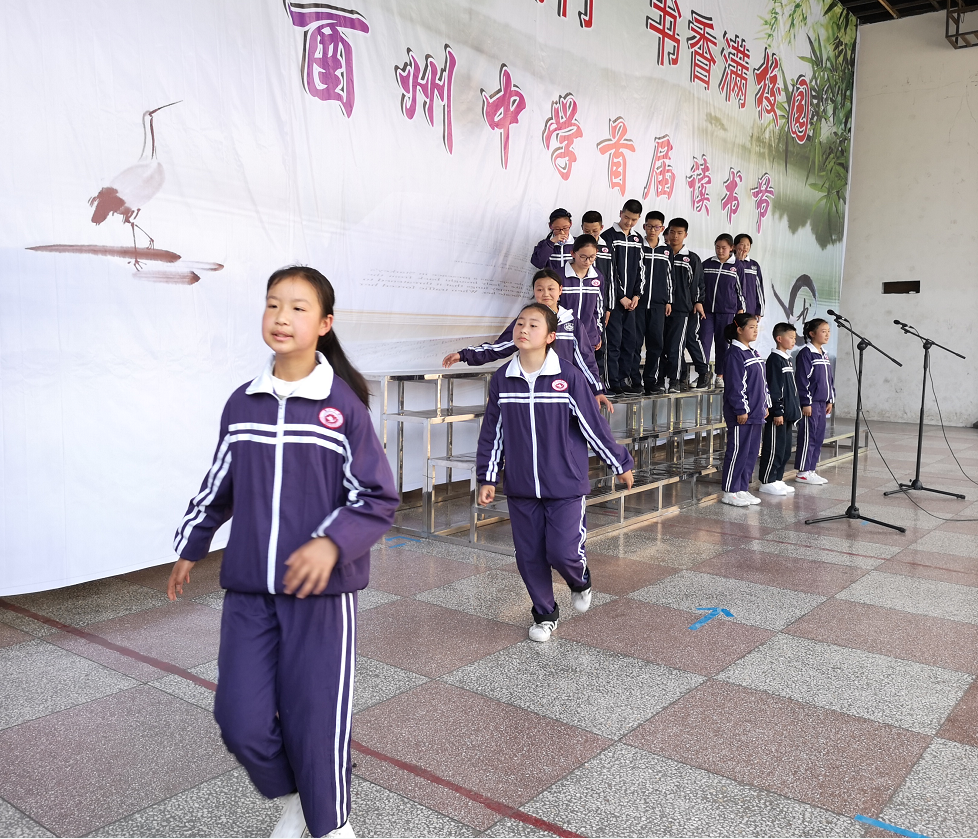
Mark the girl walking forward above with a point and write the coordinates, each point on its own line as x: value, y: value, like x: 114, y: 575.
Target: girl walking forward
x: 301, y: 469
x: 816, y: 392
x: 540, y: 418
x: 745, y: 407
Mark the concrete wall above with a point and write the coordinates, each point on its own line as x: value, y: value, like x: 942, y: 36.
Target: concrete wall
x: 913, y: 215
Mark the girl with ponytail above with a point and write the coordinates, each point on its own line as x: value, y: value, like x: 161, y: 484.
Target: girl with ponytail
x: 745, y: 405
x: 301, y: 468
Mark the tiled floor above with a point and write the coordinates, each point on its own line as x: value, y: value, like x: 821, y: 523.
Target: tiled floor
x: 843, y: 685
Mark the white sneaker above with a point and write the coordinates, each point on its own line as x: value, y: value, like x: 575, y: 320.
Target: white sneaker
x: 786, y: 487
x: 344, y: 832
x: 292, y: 822
x: 816, y: 479
x: 751, y: 499
x: 773, y: 488
x: 542, y: 631
x: 734, y: 499
x: 805, y: 478
x: 581, y: 600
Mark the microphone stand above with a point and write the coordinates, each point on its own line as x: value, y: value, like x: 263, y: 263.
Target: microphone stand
x: 852, y: 512
x: 916, y: 483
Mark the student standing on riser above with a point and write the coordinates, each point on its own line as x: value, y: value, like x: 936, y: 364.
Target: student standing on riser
x: 724, y: 298
x: 554, y: 250
x: 754, y: 298
x: 592, y: 225
x: 625, y: 287
x: 654, y: 306
x: 682, y: 332
x: 584, y: 288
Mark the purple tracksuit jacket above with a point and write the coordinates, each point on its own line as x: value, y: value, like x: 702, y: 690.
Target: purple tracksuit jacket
x: 744, y: 392
x: 573, y: 345
x: 293, y: 468
x: 744, y: 385
x: 585, y: 298
x: 753, y: 288
x: 724, y: 285
x: 813, y: 375
x: 544, y: 433
x: 548, y: 254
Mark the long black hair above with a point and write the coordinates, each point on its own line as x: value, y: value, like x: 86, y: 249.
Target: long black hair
x: 741, y: 319
x: 812, y: 326
x: 328, y: 344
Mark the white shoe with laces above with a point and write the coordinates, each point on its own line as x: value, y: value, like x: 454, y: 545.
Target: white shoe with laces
x: 734, y: 499
x: 750, y: 499
x: 816, y: 479
x: 581, y: 600
x: 343, y: 832
x: 542, y: 631
x: 773, y: 488
x: 788, y: 490
x: 292, y: 823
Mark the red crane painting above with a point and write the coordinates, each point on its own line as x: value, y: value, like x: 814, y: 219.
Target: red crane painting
x: 130, y: 190
x: 125, y: 196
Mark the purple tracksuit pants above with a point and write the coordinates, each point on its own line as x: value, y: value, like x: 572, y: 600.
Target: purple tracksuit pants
x: 740, y: 456
x: 711, y: 333
x: 285, y: 697
x: 811, y: 433
x: 549, y: 533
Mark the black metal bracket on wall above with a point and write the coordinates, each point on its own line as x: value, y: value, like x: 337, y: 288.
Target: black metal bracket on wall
x: 956, y: 10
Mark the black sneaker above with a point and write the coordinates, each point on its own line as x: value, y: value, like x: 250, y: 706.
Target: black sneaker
x: 655, y: 390
x: 632, y: 389
x: 703, y: 381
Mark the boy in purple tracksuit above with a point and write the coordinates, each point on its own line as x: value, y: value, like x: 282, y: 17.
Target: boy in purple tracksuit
x: 572, y: 342
x: 816, y: 392
x: 625, y: 287
x: 583, y: 288
x: 653, y: 307
x: 301, y: 469
x: 540, y: 418
x: 753, y: 288
x: 745, y: 407
x: 724, y: 297
x: 554, y: 250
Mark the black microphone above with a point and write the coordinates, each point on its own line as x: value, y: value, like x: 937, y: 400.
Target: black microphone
x: 899, y: 323
x: 835, y: 314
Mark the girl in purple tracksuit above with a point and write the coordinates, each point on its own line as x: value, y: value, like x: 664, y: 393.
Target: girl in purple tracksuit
x: 745, y: 405
x: 816, y: 392
x: 541, y: 418
x: 583, y: 288
x: 573, y: 344
x: 554, y: 250
x: 723, y: 277
x: 299, y: 466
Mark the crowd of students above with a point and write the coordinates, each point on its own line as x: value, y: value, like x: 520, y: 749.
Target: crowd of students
x: 301, y: 469
x: 603, y: 300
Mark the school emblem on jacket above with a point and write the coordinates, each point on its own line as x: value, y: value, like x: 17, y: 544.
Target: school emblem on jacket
x: 568, y: 327
x: 331, y: 418
x: 595, y: 282
x: 559, y: 384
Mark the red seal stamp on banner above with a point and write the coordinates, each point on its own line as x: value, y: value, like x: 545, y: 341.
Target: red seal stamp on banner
x: 331, y: 418
x: 559, y: 384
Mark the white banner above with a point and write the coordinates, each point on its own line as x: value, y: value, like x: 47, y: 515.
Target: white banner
x: 161, y: 159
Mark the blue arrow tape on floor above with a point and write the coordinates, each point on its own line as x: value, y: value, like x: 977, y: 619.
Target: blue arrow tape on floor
x: 900, y: 831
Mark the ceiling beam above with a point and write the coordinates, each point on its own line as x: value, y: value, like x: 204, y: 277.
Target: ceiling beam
x: 889, y: 8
